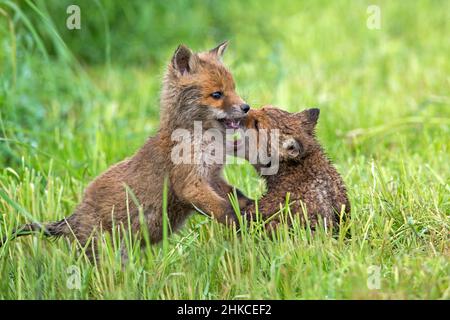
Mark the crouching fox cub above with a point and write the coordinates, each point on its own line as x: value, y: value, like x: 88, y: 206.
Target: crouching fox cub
x: 315, y: 187
x: 197, y: 87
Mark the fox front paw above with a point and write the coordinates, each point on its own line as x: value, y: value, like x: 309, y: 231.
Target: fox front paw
x: 229, y: 216
x: 271, y: 226
x: 243, y: 200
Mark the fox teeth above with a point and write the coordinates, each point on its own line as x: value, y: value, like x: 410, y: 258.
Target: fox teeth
x: 232, y: 124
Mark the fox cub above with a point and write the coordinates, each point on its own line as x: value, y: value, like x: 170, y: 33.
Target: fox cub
x: 316, y: 188
x: 196, y: 87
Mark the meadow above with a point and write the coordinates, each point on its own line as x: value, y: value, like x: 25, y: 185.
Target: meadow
x: 73, y: 102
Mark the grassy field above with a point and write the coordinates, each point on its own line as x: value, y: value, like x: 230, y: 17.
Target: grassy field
x: 73, y: 102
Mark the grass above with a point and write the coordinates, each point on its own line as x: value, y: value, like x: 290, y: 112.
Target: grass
x: 74, y: 102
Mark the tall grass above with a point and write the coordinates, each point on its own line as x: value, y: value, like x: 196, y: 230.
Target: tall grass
x: 74, y: 102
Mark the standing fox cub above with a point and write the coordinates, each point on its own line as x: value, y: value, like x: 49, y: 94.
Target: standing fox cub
x: 196, y: 87
x: 315, y: 186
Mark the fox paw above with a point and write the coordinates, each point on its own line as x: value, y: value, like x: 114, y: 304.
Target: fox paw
x: 229, y: 216
x: 242, y: 199
x: 271, y: 226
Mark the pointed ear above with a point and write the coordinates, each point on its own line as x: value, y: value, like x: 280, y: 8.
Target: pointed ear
x: 219, y: 50
x: 183, y: 59
x: 309, y: 118
x: 313, y: 115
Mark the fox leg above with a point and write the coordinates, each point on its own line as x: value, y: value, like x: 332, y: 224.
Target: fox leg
x: 242, y: 199
x: 272, y: 225
x: 199, y: 193
x: 224, y: 188
x: 205, y: 198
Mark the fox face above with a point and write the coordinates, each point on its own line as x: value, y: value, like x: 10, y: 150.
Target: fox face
x: 296, y: 131
x: 202, y: 89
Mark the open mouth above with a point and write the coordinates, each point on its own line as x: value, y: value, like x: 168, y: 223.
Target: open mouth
x: 234, y: 128
x: 232, y: 124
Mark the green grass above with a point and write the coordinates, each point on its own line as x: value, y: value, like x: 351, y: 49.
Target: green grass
x: 74, y: 102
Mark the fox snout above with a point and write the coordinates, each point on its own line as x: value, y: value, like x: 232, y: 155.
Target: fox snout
x: 232, y: 116
x: 238, y: 110
x: 245, y: 108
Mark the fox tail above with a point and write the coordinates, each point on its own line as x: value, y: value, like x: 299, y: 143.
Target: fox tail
x: 52, y: 229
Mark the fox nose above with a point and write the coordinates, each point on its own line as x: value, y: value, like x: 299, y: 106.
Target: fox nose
x: 245, y: 107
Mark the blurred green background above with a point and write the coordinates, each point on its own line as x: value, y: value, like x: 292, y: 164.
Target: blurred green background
x: 60, y: 86
x: 73, y: 102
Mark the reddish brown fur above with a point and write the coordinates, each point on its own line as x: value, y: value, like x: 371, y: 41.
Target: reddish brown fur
x: 306, y: 173
x: 189, y: 81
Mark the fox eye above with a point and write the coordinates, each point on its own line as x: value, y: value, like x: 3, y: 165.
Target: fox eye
x: 217, y: 95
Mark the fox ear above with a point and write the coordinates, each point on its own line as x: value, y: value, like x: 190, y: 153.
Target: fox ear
x: 309, y: 118
x: 313, y: 115
x: 183, y: 59
x: 220, y: 49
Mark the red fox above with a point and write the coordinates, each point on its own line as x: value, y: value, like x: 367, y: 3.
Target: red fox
x: 304, y: 170
x: 196, y: 87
